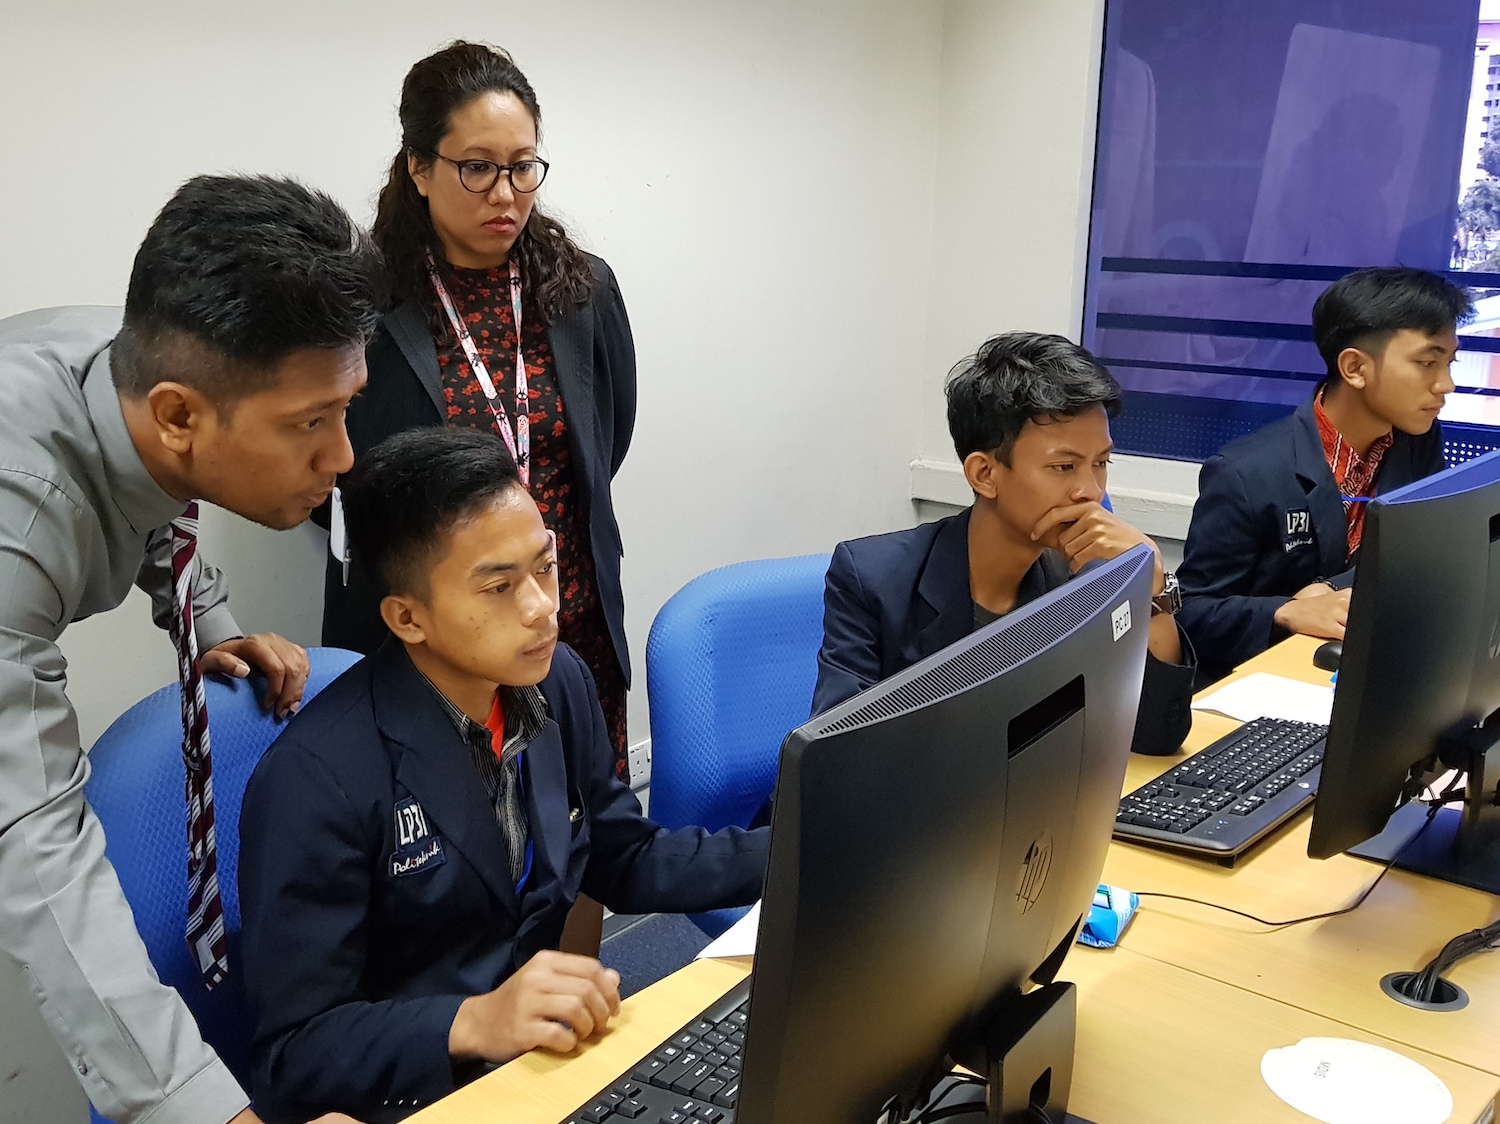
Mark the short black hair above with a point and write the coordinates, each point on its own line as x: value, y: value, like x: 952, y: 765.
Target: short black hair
x: 1364, y: 309
x: 410, y: 490
x: 235, y: 274
x: 1017, y: 377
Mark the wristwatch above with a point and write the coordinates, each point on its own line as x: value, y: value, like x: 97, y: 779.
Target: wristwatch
x: 1169, y: 600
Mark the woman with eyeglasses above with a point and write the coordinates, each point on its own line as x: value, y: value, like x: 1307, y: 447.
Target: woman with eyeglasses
x: 472, y: 258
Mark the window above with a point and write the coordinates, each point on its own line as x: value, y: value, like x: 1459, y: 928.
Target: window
x: 1250, y: 152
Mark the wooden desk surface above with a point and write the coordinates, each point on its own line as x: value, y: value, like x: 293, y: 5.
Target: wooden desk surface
x: 1161, y: 1045
x: 1332, y: 967
x: 1143, y: 1026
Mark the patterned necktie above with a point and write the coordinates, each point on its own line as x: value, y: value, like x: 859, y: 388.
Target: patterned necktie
x: 205, y: 917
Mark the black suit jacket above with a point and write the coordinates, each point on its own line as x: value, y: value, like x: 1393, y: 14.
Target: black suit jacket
x: 891, y: 600
x: 1270, y: 520
x: 376, y: 893
x: 595, y: 357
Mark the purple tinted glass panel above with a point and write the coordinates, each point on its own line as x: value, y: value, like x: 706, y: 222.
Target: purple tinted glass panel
x: 1249, y: 153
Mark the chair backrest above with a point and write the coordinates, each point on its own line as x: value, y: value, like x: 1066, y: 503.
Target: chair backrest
x: 136, y: 790
x: 730, y: 669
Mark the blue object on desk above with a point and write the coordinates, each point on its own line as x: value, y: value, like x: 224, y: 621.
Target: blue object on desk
x: 1111, y: 912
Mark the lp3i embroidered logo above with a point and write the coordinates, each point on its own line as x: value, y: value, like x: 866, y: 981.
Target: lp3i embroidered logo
x: 417, y: 848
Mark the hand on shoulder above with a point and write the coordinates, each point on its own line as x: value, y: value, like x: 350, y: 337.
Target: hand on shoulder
x: 283, y: 663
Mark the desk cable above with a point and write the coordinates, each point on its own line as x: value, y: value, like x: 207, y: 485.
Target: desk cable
x: 1423, y: 988
x: 936, y: 1110
x: 1432, y: 812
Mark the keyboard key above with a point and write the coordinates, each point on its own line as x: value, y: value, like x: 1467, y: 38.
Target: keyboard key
x: 685, y: 1040
x: 630, y: 1109
x: 708, y: 1087
x: 674, y: 1073
x: 673, y: 1117
x: 688, y: 1081
x: 597, y: 1112
x: 648, y: 1069
x: 710, y: 1115
x: 728, y: 1096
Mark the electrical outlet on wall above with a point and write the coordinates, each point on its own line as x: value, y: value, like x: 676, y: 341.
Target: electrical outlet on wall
x: 639, y: 759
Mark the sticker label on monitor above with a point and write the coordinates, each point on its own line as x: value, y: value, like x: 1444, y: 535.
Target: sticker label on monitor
x: 1119, y: 620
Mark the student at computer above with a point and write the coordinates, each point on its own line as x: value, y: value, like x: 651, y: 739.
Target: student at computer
x: 225, y: 380
x: 1276, y: 530
x: 411, y: 844
x: 1029, y: 415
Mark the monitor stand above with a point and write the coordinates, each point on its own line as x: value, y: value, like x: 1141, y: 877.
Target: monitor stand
x: 1461, y: 847
x: 1026, y: 1057
x: 1437, y: 853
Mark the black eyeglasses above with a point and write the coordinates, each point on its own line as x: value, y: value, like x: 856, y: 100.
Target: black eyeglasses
x: 479, y: 176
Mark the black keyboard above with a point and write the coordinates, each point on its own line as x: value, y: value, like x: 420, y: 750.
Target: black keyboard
x: 1224, y: 798
x: 692, y: 1078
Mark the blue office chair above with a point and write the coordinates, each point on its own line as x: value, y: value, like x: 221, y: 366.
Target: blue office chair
x: 730, y: 668
x: 137, y: 792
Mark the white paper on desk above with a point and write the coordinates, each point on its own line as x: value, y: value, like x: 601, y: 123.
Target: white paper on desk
x: 1261, y: 695
x: 737, y: 940
x: 1340, y: 1081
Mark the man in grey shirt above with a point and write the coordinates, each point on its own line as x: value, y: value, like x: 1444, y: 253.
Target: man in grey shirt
x: 242, y: 344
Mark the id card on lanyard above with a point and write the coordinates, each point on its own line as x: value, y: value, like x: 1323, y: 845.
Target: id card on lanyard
x: 517, y: 439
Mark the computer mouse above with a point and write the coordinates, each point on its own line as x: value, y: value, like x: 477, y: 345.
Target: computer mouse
x: 1328, y: 655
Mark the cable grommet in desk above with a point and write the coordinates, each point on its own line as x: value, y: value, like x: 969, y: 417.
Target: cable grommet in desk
x: 1446, y: 996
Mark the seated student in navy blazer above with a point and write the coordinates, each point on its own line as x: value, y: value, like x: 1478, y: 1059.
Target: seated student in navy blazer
x: 1029, y: 415
x: 411, y: 844
x: 1280, y: 514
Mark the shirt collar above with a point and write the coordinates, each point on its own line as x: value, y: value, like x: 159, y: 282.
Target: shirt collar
x: 1342, y: 459
x: 140, y: 499
x: 525, y: 712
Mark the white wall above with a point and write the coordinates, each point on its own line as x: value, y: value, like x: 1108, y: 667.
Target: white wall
x: 760, y: 175
x: 1019, y: 101
x: 814, y: 210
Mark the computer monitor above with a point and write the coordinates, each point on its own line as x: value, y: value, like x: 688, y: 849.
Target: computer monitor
x: 936, y: 843
x: 1419, y: 682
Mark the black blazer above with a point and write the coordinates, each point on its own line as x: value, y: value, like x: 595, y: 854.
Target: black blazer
x: 891, y: 600
x: 376, y: 894
x: 1270, y: 520
x: 595, y: 358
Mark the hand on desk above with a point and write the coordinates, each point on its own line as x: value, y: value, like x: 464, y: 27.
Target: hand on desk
x: 1316, y: 610
x: 556, y: 1001
x: 248, y: 1117
x: 283, y: 663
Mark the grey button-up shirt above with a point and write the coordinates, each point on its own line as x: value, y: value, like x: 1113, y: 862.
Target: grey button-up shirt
x: 79, y: 523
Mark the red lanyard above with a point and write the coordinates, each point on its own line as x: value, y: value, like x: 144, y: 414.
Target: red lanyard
x: 517, y: 440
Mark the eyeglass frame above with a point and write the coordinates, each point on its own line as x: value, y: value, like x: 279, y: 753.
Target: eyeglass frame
x: 507, y: 170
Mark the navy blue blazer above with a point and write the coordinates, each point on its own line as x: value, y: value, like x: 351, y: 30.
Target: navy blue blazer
x: 376, y: 893
x: 891, y: 600
x: 1270, y: 520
